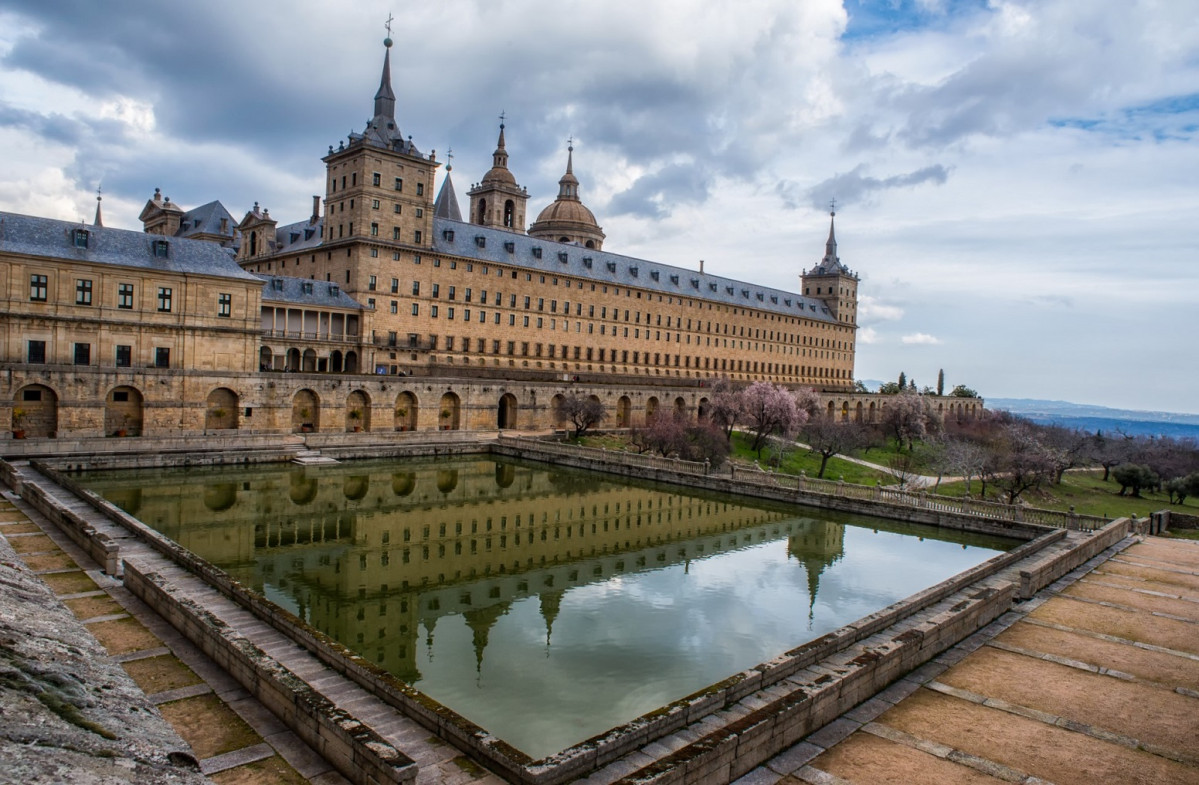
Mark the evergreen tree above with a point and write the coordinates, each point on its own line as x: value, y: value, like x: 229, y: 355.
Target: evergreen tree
x: 903, y: 381
x: 941, y: 382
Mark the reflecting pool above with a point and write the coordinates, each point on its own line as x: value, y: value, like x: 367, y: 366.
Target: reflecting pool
x: 545, y: 605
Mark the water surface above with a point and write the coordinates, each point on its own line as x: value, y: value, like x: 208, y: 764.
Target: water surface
x: 544, y: 605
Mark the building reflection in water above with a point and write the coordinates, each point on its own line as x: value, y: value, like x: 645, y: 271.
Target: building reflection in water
x: 371, y: 556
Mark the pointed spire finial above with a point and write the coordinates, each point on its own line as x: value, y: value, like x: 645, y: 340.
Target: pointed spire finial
x: 449, y: 156
x: 570, y: 154
x: 832, y: 207
x: 99, y: 198
x: 387, y: 24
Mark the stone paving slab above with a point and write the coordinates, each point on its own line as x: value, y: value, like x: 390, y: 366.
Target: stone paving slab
x: 1066, y: 691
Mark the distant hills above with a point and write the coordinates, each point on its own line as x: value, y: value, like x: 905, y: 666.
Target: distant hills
x: 1101, y: 418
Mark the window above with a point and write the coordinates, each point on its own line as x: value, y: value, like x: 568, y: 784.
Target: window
x: 374, y: 230
x: 416, y: 288
x: 160, y: 249
x: 36, y: 352
x: 162, y: 358
x: 436, y: 290
x: 396, y: 208
x: 395, y: 285
x: 124, y: 356
x: 224, y: 305
x: 451, y: 293
x: 83, y: 291
x: 416, y: 309
x: 376, y: 178
x: 37, y: 288
x: 395, y: 233
x: 125, y: 295
x: 164, y: 299
x: 83, y: 354
x: 399, y: 184
x: 416, y: 237
x: 420, y: 189
x: 395, y: 306
x: 80, y: 238
x: 371, y: 282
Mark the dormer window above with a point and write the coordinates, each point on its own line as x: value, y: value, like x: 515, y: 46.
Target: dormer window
x: 448, y: 235
x: 654, y: 274
x: 536, y: 252
x: 674, y: 279
x: 761, y: 297
x: 161, y: 247
x: 728, y: 289
x: 611, y: 267
x: 745, y: 293
x: 306, y: 287
x: 712, y: 287
x: 510, y: 247
x: 294, y: 236
x: 787, y: 301
x: 277, y: 284
x: 334, y: 289
x: 587, y: 262
x: 694, y: 283
x: 79, y: 236
x: 633, y: 271
x: 480, y: 241
x: 563, y: 257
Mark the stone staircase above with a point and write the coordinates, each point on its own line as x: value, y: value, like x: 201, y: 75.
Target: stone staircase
x: 312, y: 458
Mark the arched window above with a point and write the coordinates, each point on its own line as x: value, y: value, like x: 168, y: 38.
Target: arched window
x: 482, y: 212
x: 509, y: 213
x: 253, y: 243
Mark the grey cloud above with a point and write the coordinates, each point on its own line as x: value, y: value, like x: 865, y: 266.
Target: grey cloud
x: 55, y: 127
x: 854, y: 186
x: 653, y: 195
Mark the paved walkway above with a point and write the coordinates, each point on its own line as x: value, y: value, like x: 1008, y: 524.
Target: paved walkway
x: 1094, y: 681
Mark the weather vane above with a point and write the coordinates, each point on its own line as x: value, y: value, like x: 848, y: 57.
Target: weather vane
x: 503, y: 114
x: 832, y: 206
x: 570, y: 143
x: 387, y: 24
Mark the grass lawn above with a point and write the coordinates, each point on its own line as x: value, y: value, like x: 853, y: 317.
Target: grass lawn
x: 802, y: 460
x: 1089, y: 495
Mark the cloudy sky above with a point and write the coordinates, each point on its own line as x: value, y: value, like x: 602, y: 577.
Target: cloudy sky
x: 1016, y: 182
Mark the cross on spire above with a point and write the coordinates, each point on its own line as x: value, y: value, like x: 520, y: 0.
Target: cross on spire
x: 387, y: 24
x: 503, y: 114
x: 832, y: 206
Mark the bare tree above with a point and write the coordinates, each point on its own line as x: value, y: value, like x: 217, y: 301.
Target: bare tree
x: 1064, y: 447
x: 909, y: 417
x: 1025, y: 462
x: 583, y: 413
x: 965, y: 459
x: 828, y: 439
x: 769, y: 410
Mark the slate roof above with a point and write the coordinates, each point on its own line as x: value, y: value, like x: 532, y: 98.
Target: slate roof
x: 302, y: 291
x: 299, y: 236
x: 491, y: 245
x: 446, y: 205
x: 47, y: 237
x: 207, y: 219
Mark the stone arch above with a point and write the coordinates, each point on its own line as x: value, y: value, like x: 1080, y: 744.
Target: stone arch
x: 506, y: 413
x: 447, y: 480
x: 845, y: 411
x: 405, y: 411
x: 449, y: 412
x: 556, y: 410
x: 509, y: 213
x: 123, y: 411
x: 832, y: 412
x: 358, y: 411
x: 305, y: 411
x: 35, y: 411
x: 301, y: 489
x: 293, y: 360
x: 680, y: 406
x: 703, y: 410
x: 308, y: 363
x: 351, y: 365
x: 220, y: 496
x: 623, y: 407
x: 857, y: 412
x: 355, y: 487
x: 481, y: 217
x: 265, y: 358
x: 651, y: 408
x: 335, y: 361
x: 505, y: 474
x: 220, y: 410
x: 871, y: 412
x: 403, y: 483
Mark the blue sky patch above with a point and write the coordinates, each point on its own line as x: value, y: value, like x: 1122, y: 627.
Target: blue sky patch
x: 869, y: 18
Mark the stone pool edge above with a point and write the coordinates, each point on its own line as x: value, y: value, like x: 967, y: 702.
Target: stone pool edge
x: 767, y: 706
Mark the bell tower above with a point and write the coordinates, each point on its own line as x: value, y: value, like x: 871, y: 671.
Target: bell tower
x: 832, y: 282
x: 497, y: 200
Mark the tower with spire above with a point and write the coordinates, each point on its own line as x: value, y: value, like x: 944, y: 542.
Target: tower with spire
x: 832, y: 282
x: 378, y: 192
x: 497, y: 200
x: 568, y: 220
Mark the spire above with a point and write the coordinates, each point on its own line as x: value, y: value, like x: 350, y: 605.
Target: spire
x: 446, y: 205
x: 99, y: 220
x: 830, y: 246
x: 385, y: 99
x: 568, y: 186
x: 499, y: 159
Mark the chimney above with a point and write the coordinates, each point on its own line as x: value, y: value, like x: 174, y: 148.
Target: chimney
x: 701, y: 266
x: 316, y: 209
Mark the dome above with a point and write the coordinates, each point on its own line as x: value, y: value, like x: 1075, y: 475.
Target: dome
x: 572, y: 212
x: 499, y: 175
